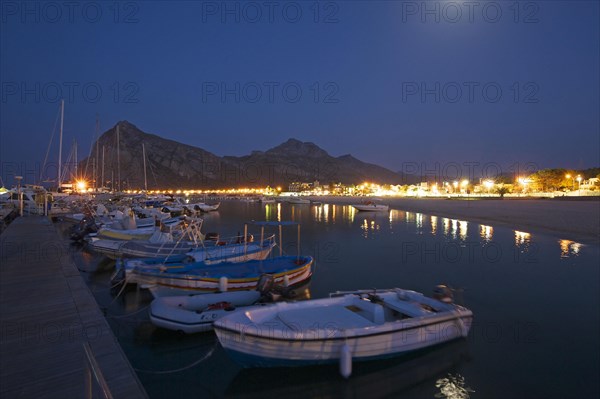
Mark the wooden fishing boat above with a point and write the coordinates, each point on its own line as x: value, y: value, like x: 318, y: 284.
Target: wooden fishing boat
x: 359, y: 325
x: 184, y: 278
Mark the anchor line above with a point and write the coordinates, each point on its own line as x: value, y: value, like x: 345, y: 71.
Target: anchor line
x: 189, y: 366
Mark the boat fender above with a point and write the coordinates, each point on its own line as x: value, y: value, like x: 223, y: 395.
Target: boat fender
x: 286, y: 281
x: 223, y: 284
x: 345, y: 361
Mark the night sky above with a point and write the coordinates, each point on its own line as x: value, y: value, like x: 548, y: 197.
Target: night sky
x: 397, y: 83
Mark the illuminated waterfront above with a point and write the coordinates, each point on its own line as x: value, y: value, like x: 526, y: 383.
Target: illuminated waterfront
x: 511, y: 280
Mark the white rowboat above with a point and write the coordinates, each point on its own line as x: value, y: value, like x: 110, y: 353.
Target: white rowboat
x: 352, y: 326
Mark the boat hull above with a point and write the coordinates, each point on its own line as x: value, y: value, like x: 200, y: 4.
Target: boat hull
x: 371, y: 208
x: 270, y: 353
x: 143, y: 233
x: 319, y: 331
x: 209, y: 278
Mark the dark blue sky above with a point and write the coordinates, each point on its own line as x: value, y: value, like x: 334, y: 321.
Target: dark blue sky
x: 391, y: 82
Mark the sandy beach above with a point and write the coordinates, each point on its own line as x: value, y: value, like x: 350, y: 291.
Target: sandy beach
x: 577, y: 220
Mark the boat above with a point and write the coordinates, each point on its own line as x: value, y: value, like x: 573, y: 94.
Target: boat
x: 143, y: 233
x: 267, y: 200
x: 348, y: 326
x: 183, y: 278
x: 298, y: 201
x: 196, y: 313
x: 34, y: 199
x: 208, y: 207
x: 174, y: 239
x: 201, y: 250
x: 130, y: 229
x: 371, y: 206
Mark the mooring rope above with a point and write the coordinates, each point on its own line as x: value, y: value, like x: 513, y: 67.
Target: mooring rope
x: 189, y: 366
x: 128, y: 314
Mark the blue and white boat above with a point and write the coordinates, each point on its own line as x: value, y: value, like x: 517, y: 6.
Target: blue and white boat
x: 185, y: 276
x: 346, y: 327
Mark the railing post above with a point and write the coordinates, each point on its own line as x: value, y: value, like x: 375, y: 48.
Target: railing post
x: 88, y: 382
x: 92, y: 367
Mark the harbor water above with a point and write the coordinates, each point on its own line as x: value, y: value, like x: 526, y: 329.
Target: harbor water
x: 535, y: 299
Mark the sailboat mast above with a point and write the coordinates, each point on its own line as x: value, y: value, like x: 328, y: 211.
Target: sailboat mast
x: 102, y: 167
x: 96, y: 160
x: 62, y: 115
x: 144, y: 155
x: 75, y: 150
x: 118, y: 160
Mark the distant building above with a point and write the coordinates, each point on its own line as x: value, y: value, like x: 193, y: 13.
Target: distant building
x: 297, y: 187
x: 591, y: 183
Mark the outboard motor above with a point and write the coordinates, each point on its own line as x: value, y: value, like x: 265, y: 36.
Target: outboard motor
x: 265, y: 284
x: 86, y: 226
x: 443, y: 294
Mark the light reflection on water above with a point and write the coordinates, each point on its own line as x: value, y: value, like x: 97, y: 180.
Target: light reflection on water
x: 434, y: 221
x: 486, y: 232
x: 377, y: 249
x: 453, y: 387
x: 569, y: 248
x: 522, y: 238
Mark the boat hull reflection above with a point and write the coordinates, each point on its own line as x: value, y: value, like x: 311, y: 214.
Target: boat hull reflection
x: 376, y: 379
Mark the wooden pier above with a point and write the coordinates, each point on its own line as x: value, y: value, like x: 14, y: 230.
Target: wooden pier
x: 47, y: 316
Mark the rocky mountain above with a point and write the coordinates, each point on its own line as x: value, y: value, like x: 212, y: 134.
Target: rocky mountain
x: 170, y: 164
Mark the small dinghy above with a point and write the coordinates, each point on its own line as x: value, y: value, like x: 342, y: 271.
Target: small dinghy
x: 197, y: 313
x: 347, y: 327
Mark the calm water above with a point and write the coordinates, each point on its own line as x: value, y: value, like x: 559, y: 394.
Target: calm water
x: 535, y: 299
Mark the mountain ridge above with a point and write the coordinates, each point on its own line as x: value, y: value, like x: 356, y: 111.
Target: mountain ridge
x: 171, y: 164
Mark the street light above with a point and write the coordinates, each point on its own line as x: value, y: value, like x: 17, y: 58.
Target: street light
x: 579, y: 181
x: 568, y: 176
x: 524, y: 181
x: 488, y: 184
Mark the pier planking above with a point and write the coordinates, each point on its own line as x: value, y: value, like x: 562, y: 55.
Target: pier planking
x: 47, y: 313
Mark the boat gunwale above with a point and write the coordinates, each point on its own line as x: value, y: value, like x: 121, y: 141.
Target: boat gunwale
x: 453, y: 315
x: 186, y: 277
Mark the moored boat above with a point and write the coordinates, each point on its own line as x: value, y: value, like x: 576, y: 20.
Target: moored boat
x: 371, y: 206
x: 197, y: 313
x: 200, y: 277
x: 298, y: 201
x: 348, y: 326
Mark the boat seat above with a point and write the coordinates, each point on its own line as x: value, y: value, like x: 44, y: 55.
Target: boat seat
x: 369, y: 310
